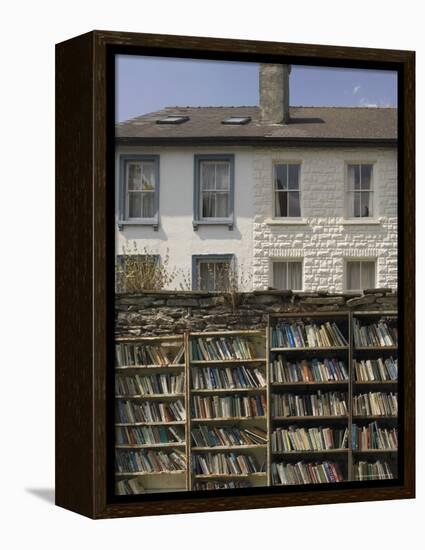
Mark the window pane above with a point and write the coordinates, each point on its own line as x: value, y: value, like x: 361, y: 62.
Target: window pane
x: 222, y: 175
x: 206, y: 276
x: 293, y: 176
x: 281, y: 206
x: 353, y: 275
x: 213, y: 275
x: 135, y: 205
x: 366, y: 172
x: 134, y: 176
x: 294, y: 204
x: 208, y: 175
x: 148, y: 176
x: 353, y: 176
x: 357, y: 204
x: 365, y: 207
x: 147, y: 205
x: 368, y: 275
x: 222, y: 273
x: 208, y: 204
x: 281, y: 181
x: 280, y: 275
x: 222, y: 205
x: 295, y: 276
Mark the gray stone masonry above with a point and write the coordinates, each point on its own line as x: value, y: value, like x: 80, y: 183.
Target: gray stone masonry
x: 172, y: 312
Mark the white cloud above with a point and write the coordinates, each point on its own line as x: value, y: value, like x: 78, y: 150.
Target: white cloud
x: 365, y: 102
x: 356, y: 89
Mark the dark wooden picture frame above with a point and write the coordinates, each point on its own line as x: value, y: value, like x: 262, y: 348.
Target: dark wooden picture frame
x: 84, y: 273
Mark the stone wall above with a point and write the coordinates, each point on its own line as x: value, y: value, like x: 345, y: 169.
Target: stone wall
x: 166, y: 312
x: 324, y: 238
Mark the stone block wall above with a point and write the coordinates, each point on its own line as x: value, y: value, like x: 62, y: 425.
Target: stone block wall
x: 167, y: 312
x: 324, y: 239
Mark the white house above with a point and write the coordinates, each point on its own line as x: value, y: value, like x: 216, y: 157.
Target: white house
x: 301, y: 198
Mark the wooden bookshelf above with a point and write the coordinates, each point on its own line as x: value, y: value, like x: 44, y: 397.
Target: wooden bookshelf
x: 256, y: 360
x: 261, y: 452
x: 169, y: 349
x: 373, y: 352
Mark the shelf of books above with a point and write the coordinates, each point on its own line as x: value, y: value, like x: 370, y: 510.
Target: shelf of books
x: 309, y: 412
x: 150, y: 418
x: 228, y: 387
x: 375, y: 395
x: 310, y: 399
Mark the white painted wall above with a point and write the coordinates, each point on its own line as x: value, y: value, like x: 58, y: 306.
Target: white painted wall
x: 323, y: 242
x: 176, y: 234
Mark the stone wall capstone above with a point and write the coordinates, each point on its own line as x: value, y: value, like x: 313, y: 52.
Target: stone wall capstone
x: 156, y: 313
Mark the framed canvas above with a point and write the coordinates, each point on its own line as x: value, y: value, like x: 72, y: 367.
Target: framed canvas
x: 235, y: 274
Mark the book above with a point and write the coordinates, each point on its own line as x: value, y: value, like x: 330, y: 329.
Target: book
x: 380, y: 334
x: 224, y: 464
x: 159, y: 384
x: 375, y: 404
x: 131, y: 412
x: 317, y: 404
x: 148, y: 435
x: 366, y: 471
x: 218, y: 484
x: 373, y: 436
x: 375, y: 370
x: 223, y: 348
x: 298, y: 334
x: 205, y: 436
x: 295, y: 438
x: 303, y: 473
x: 132, y: 486
x: 149, y: 461
x: 129, y: 354
x: 227, y: 378
x: 227, y: 407
x: 326, y: 370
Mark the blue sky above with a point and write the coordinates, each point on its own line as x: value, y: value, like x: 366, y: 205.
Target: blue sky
x: 146, y: 84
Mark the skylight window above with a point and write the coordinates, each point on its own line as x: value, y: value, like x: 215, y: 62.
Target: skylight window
x: 236, y: 120
x: 172, y: 119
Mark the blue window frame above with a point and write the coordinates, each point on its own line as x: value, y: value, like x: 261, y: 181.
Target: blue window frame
x: 138, y: 201
x: 211, y: 272
x: 214, y: 190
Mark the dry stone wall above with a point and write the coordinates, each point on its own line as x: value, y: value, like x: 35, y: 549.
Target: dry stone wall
x: 166, y: 312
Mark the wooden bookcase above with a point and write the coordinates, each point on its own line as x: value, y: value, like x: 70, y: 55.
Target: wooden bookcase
x: 156, y: 481
x: 258, y: 452
x: 360, y: 387
x: 291, y: 354
x: 263, y: 453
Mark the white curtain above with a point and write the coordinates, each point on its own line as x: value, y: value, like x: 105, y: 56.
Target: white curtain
x: 215, y: 183
x: 294, y: 276
x: 141, y: 189
x: 287, y: 275
x: 280, y: 275
x: 360, y: 275
x: 368, y: 275
x: 353, y: 276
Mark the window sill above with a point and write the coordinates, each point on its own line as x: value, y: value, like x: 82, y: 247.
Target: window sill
x: 288, y: 221
x: 152, y: 222
x: 361, y: 221
x: 228, y: 222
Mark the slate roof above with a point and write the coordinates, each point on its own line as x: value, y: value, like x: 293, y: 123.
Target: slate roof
x: 366, y: 124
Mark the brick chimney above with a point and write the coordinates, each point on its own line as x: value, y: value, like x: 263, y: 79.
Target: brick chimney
x: 274, y: 93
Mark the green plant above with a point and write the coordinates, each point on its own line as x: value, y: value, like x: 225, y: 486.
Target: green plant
x: 137, y: 271
x: 226, y: 278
